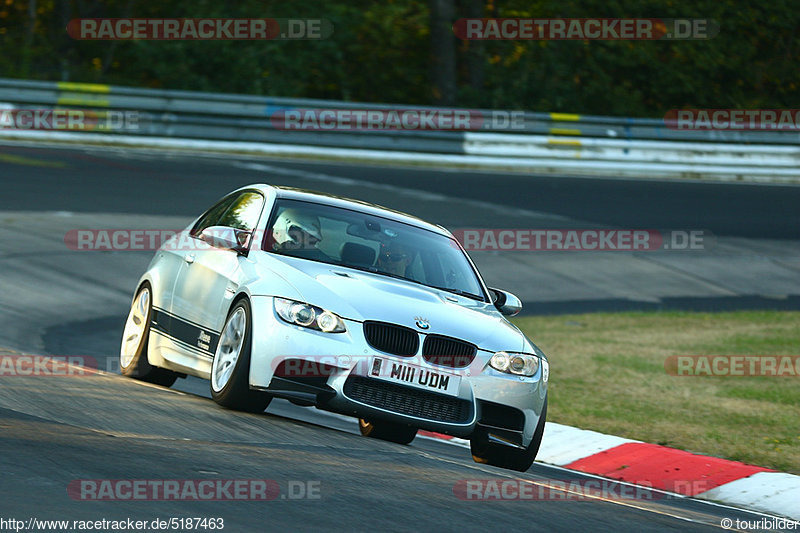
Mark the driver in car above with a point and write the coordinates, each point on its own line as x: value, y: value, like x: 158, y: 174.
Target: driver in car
x: 297, y: 233
x: 394, y: 258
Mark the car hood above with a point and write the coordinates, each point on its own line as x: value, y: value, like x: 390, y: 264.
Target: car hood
x: 356, y: 295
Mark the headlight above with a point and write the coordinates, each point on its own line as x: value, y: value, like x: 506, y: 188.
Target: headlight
x: 500, y: 361
x: 521, y: 364
x: 308, y: 316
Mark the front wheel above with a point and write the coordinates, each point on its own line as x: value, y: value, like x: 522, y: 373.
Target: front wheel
x: 390, y: 431
x: 133, y: 351
x: 230, y: 369
x: 503, y: 456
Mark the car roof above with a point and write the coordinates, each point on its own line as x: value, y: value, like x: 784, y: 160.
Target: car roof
x: 292, y: 193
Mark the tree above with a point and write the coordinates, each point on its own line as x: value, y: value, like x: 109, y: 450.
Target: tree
x: 443, y: 52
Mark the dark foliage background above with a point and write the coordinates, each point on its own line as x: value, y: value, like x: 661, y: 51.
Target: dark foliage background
x: 387, y: 52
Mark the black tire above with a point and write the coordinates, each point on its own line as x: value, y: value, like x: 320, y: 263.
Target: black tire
x: 138, y: 367
x: 504, y: 456
x: 390, y: 431
x: 236, y: 393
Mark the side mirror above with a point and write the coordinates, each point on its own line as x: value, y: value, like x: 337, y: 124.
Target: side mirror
x: 505, y: 302
x: 227, y: 238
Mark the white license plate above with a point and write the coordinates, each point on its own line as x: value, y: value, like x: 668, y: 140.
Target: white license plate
x: 414, y: 376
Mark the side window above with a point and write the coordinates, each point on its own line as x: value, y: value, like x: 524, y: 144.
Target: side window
x: 240, y: 211
x: 244, y: 212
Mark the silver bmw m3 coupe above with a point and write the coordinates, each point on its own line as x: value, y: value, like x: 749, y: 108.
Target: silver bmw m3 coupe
x: 346, y: 306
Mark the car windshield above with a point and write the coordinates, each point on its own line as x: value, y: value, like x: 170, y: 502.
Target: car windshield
x: 370, y: 243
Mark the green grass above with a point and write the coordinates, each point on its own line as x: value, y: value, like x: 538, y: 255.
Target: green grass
x: 608, y: 375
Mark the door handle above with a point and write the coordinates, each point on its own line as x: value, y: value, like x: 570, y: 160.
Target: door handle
x: 189, y: 258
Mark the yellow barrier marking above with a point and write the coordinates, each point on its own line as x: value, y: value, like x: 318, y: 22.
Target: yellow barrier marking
x: 77, y: 101
x: 84, y: 87
x: 564, y: 142
x: 564, y: 131
x: 565, y: 116
x: 19, y: 160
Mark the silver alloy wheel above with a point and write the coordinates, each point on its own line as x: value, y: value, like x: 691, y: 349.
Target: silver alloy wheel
x: 135, y: 327
x: 228, y: 349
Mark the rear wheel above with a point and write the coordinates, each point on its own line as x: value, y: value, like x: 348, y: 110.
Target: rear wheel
x: 504, y: 456
x: 391, y: 431
x: 133, y: 351
x: 230, y: 370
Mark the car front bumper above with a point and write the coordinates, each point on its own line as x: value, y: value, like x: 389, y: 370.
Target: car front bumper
x: 333, y: 371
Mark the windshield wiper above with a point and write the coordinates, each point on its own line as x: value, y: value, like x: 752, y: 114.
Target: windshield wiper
x: 374, y: 270
x: 460, y: 293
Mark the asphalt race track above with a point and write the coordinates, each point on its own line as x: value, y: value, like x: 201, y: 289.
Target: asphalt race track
x: 750, y: 259
x: 113, y: 175
x: 58, y: 301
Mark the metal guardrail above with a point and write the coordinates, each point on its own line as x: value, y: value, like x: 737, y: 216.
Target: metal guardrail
x: 179, y: 112
x: 576, y: 140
